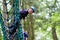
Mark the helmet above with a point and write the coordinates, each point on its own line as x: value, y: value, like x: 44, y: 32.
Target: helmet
x: 33, y: 8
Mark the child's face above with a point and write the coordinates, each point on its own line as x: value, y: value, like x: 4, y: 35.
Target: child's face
x: 30, y: 11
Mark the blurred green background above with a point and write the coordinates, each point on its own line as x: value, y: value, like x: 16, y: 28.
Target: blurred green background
x: 42, y: 25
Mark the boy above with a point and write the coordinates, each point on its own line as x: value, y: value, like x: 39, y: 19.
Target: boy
x: 23, y: 14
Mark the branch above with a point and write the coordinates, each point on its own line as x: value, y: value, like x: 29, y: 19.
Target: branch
x: 53, y: 6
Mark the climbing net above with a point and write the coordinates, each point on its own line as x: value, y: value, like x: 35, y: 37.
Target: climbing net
x: 14, y: 30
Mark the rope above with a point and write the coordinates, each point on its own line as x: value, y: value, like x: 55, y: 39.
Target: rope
x: 16, y: 24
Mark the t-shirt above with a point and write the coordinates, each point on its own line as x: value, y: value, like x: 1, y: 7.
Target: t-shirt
x: 23, y: 13
x: 25, y: 35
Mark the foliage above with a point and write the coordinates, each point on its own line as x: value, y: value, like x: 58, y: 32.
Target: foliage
x: 47, y: 16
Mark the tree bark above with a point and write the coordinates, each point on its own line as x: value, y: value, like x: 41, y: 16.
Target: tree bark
x: 5, y: 12
x: 32, y: 27
x: 54, y: 35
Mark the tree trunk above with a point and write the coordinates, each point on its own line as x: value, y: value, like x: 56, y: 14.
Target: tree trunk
x: 32, y: 27
x: 54, y: 32
x: 5, y: 12
x: 28, y: 29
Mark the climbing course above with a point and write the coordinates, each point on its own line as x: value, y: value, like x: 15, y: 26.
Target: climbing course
x: 14, y: 30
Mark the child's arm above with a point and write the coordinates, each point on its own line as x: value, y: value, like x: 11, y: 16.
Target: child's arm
x: 23, y: 14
